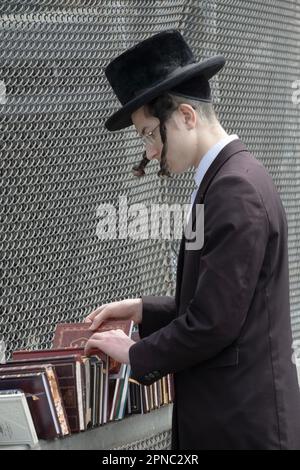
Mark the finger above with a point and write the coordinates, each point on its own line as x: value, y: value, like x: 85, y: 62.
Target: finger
x: 92, y: 344
x: 92, y: 315
x: 98, y: 336
x: 99, y: 319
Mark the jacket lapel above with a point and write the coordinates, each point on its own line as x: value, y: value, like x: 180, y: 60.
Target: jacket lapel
x: 179, y: 271
x: 236, y: 146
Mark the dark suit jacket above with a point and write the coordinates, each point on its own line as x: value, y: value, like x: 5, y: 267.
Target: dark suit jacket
x: 227, y: 335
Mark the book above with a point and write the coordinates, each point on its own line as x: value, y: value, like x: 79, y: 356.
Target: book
x: 83, y: 382
x: 76, y: 335
x: 16, y: 424
x: 70, y: 373
x: 10, y: 368
x: 36, y: 387
x: 45, y: 353
x: 122, y: 401
x: 145, y: 398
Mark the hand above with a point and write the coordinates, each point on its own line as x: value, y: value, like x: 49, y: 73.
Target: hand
x: 114, y: 343
x: 129, y: 309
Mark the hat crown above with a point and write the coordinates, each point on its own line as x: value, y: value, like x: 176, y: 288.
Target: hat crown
x: 148, y: 63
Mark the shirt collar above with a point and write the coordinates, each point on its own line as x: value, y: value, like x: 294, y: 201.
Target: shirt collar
x: 210, y: 156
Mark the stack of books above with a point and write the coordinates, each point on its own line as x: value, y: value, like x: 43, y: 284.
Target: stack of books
x: 60, y: 391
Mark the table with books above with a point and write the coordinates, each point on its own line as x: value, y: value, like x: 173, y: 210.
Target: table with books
x: 65, y: 399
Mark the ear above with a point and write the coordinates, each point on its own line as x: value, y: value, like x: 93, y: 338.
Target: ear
x: 188, y: 115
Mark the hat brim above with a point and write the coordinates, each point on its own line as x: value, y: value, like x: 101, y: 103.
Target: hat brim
x: 208, y: 68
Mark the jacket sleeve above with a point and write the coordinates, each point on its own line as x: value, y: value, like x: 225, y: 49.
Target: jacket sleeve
x: 157, y: 313
x: 235, y: 238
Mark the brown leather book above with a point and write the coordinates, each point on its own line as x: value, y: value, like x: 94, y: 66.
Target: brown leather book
x: 70, y: 374
x: 44, y: 353
x: 35, y: 385
x: 76, y: 335
x: 11, y: 368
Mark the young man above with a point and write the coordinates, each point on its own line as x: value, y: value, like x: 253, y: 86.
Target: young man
x: 226, y: 336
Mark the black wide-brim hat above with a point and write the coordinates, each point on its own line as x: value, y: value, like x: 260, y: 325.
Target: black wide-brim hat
x: 151, y: 67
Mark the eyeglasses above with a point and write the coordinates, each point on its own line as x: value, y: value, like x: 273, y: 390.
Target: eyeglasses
x: 149, y: 138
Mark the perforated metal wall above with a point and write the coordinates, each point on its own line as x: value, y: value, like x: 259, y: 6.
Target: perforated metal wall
x: 59, y: 164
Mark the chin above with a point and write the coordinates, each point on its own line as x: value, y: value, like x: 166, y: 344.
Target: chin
x: 177, y: 171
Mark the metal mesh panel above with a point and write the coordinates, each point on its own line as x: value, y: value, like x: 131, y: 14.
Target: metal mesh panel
x: 59, y: 163
x: 159, y: 441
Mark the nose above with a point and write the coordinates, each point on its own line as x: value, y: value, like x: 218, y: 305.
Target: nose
x: 152, y: 153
